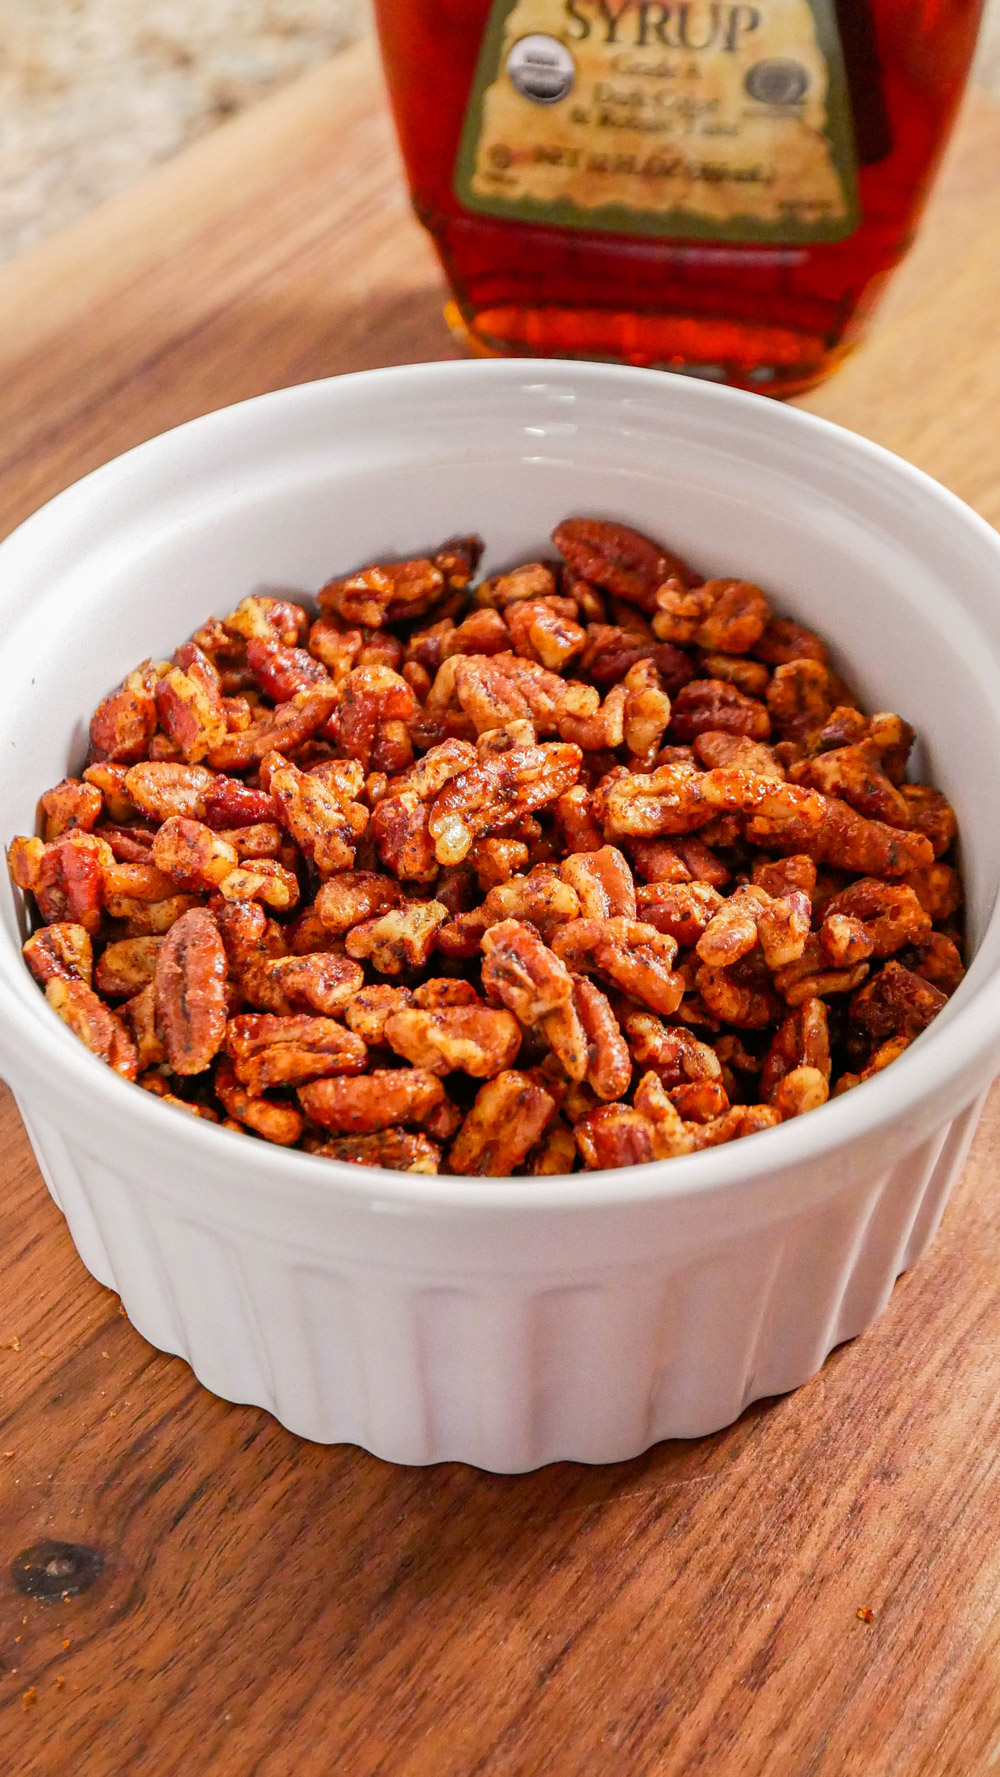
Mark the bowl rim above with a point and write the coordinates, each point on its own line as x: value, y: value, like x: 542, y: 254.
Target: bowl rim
x: 35, y: 1042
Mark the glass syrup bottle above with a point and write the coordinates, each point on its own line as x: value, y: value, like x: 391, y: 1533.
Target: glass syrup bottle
x: 714, y: 188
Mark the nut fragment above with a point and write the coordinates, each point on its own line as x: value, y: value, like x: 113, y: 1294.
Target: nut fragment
x: 509, y: 1116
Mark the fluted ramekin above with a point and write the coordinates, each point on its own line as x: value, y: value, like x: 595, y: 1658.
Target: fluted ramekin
x: 505, y: 1323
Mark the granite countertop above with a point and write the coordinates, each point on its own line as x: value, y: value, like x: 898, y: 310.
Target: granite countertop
x: 94, y: 92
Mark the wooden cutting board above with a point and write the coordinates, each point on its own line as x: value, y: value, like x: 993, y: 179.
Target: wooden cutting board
x: 270, y: 1607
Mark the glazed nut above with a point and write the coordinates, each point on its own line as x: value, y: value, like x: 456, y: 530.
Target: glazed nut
x: 100, y: 1029
x: 355, y: 895
x: 322, y: 817
x: 190, y: 985
x: 476, y: 1040
x: 368, y: 1009
x: 620, y: 559
x: 273, y: 1120
x: 508, y: 1118
x: 498, y: 791
x: 71, y: 804
x: 191, y: 856
x: 394, y: 1150
x: 61, y: 951
x: 377, y: 1100
x: 603, y: 883
x: 268, y: 1051
x: 321, y: 982
x: 523, y: 972
x: 542, y: 898
x: 127, y: 966
x: 633, y: 956
x: 400, y: 939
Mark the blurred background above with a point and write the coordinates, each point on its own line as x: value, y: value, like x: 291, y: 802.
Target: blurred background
x: 95, y: 92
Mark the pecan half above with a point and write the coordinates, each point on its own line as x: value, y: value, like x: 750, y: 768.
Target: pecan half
x: 191, y: 992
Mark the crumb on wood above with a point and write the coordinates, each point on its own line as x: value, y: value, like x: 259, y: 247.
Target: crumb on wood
x: 10, y: 1345
x: 29, y: 1697
x: 865, y: 1614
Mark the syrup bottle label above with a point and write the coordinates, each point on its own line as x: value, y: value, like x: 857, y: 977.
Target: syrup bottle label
x: 694, y: 119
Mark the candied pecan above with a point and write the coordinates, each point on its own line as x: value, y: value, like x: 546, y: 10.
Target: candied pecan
x: 139, y: 1015
x: 531, y: 581
x: 649, y: 804
x: 615, y: 1135
x: 354, y: 895
x: 261, y: 879
x: 124, y: 723
x: 681, y: 909
x: 319, y: 813
x: 394, y: 1150
x: 845, y: 941
x: 189, y: 704
x: 162, y: 789
x: 937, y: 887
x: 191, y: 856
x: 647, y: 712
x: 810, y: 975
x: 541, y: 898
x: 191, y: 991
x: 497, y: 689
x: 621, y: 560
x: 891, y: 912
x: 367, y: 1010
x: 271, y: 1051
x: 126, y: 967
x: 69, y: 881
x: 523, y: 972
x: 100, y: 1029
x: 274, y: 1120
x: 608, y: 1065
x: 265, y: 619
x: 262, y: 840
x: 895, y: 1003
x: 336, y: 649
x: 544, y: 630
x: 247, y: 934
x: 931, y: 814
x: 884, y: 1054
x: 482, y: 632
x: 458, y: 558
x: 399, y: 822
x: 496, y: 792
x: 376, y: 705
x: 281, y: 672
x: 109, y: 780
x: 728, y: 615
x: 801, y: 1041
x: 496, y: 860
x: 62, y: 951
x: 675, y: 1055
x: 508, y: 1117
x: 784, y: 641
x: 474, y: 1040
x: 714, y: 748
x: 603, y: 883
x: 784, y: 874
x: 384, y: 592
x: 556, y: 1153
x: 634, y: 956
x: 749, y: 916
x: 749, y: 676
x: 575, y: 822
x: 441, y: 990
x: 855, y: 774
x: 582, y: 718
x: 937, y: 958
x: 748, y: 1006
x: 800, y: 697
x: 284, y: 727
x: 700, y: 1101
x: 741, y: 1120
x: 149, y: 918
x: 378, y: 1100
x: 319, y: 982
x: 702, y: 704
x: 852, y: 842
x: 129, y: 845
x: 71, y: 804
x: 400, y: 939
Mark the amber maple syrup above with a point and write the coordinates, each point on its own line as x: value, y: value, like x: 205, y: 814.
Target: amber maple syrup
x: 715, y: 189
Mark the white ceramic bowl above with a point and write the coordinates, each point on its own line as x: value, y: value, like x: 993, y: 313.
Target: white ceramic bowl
x: 506, y: 1324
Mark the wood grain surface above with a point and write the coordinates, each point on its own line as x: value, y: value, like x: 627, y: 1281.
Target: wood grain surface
x: 270, y: 1607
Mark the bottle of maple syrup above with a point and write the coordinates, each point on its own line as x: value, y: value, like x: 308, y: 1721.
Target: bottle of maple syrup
x: 717, y: 187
